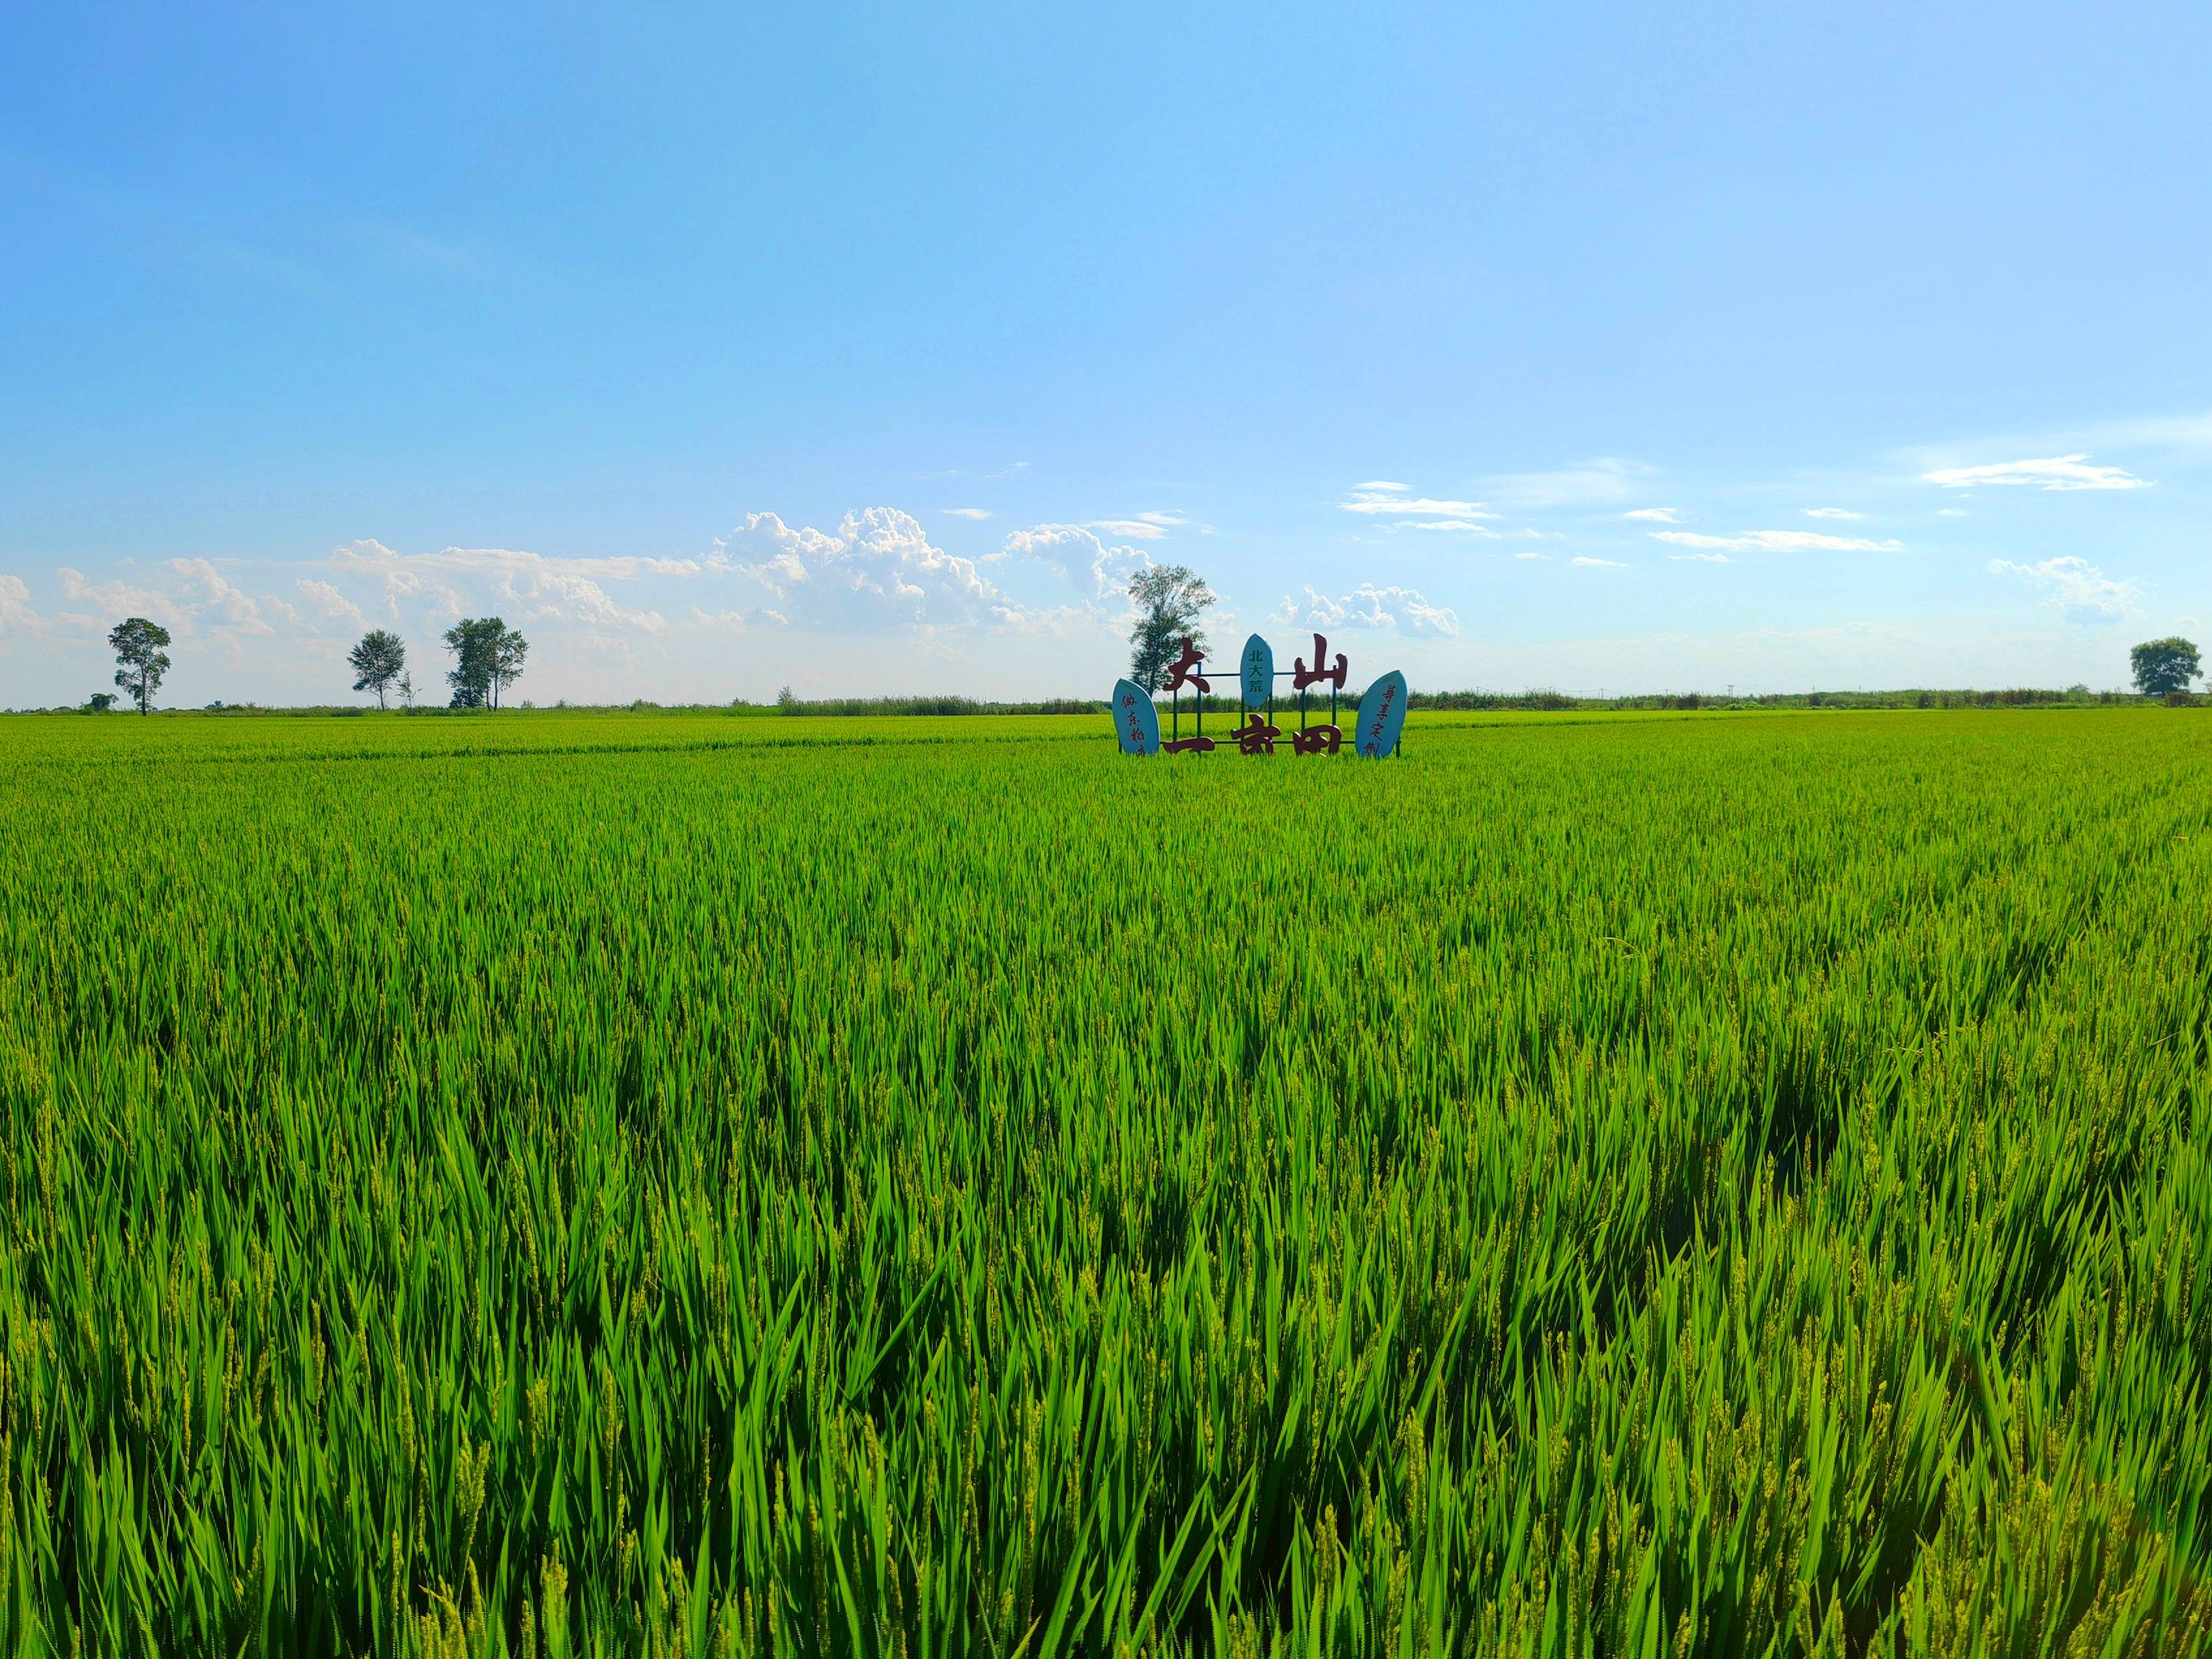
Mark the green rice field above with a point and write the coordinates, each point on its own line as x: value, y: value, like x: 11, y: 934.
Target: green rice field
x: 565, y: 1184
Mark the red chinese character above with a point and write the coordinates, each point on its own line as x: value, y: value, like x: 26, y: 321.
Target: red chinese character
x: 1184, y: 671
x: 1189, y: 746
x: 1256, y: 736
x: 1316, y: 740
x: 1305, y: 676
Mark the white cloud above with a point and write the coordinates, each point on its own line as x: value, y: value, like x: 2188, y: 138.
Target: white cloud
x: 562, y: 596
x: 1401, y: 609
x: 17, y: 616
x: 1706, y: 558
x: 1075, y: 551
x: 1532, y: 555
x: 330, y: 603
x: 1830, y: 513
x: 216, y: 593
x: 1593, y: 483
x: 461, y: 580
x: 1462, y: 526
x: 2056, y: 472
x: 977, y: 512
x: 1392, y: 498
x: 114, y: 600
x: 1655, y: 514
x: 1779, y: 541
x: 1384, y: 484
x: 1137, y: 529
x: 1600, y: 565
x: 1165, y: 520
x: 2073, y: 584
x: 880, y: 570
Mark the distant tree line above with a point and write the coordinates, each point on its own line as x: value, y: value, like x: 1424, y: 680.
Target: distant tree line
x: 1169, y: 602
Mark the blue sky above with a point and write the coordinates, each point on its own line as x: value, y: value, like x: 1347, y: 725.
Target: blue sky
x: 868, y: 349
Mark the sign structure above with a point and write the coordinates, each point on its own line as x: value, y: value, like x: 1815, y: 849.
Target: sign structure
x: 1382, y: 716
x: 1258, y: 678
x: 1381, y: 713
x: 1136, y: 722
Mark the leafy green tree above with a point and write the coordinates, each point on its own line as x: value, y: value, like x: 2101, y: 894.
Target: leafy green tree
x: 469, y: 640
x: 1170, y: 601
x: 2163, y: 665
x: 508, y: 651
x: 141, y: 657
x: 100, y: 702
x: 379, y: 659
x: 488, y: 658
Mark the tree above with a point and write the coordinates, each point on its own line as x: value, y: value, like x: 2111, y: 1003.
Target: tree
x: 100, y: 702
x: 1170, y: 599
x: 2163, y: 665
x: 406, y: 690
x: 508, y: 648
x: 379, y: 659
x: 488, y: 657
x: 471, y: 674
x: 141, y: 658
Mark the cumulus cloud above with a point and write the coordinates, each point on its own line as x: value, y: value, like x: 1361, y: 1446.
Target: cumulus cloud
x: 17, y: 616
x: 1400, y: 609
x: 1383, y: 497
x: 207, y: 591
x: 880, y: 570
x: 1653, y: 514
x: 1598, y: 564
x: 192, y: 596
x: 112, y: 601
x: 2068, y: 583
x: 1076, y: 552
x: 1830, y: 513
x: 561, y: 596
x: 1779, y: 541
x: 545, y: 588
x: 2056, y: 472
x: 330, y: 603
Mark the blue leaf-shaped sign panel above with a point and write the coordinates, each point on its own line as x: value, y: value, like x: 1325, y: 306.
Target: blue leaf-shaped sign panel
x: 1136, y: 722
x: 1259, y: 672
x: 1382, y: 716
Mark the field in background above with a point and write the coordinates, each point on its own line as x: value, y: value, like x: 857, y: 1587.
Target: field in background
x: 1620, y: 1185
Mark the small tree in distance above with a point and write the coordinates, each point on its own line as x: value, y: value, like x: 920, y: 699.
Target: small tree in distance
x: 2163, y: 666
x: 379, y: 659
x: 141, y: 658
x: 1170, y: 600
x: 508, y: 649
x: 471, y: 674
x: 488, y: 657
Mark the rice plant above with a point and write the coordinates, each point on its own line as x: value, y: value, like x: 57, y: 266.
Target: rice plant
x: 603, y: 1184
